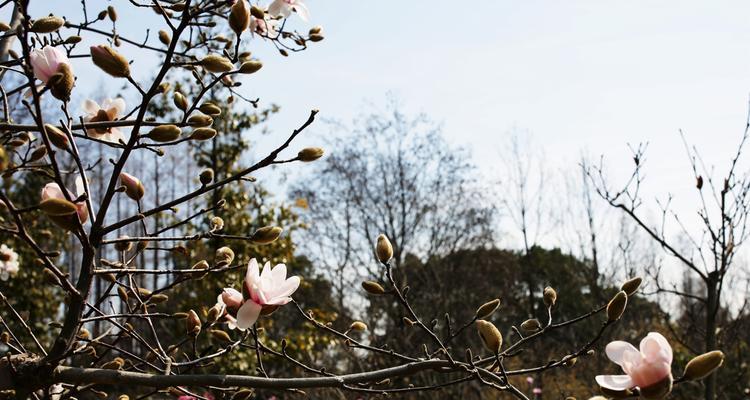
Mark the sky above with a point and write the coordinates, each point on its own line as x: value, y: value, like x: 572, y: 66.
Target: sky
x: 576, y: 76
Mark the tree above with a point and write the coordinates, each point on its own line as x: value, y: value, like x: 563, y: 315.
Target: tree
x: 394, y: 174
x: 707, y: 253
x: 132, y: 255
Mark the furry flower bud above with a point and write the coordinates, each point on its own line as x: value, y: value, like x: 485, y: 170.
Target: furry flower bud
x: 110, y: 61
x: 133, y: 186
x: 216, y: 64
x: 164, y: 133
x: 310, y: 154
x: 239, y: 17
x: 703, y: 365
x: 631, y: 286
x: 549, y: 296
x: 250, y: 67
x: 616, y: 306
x: 56, y: 136
x: 372, y: 287
x: 266, y: 234
x: 487, y: 309
x: 490, y: 335
x: 47, y: 24
x: 383, y: 249
x: 193, y: 324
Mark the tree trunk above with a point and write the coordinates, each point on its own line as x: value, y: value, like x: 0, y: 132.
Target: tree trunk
x: 710, y: 340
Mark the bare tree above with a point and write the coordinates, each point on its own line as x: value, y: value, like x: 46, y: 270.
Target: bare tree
x: 707, y: 254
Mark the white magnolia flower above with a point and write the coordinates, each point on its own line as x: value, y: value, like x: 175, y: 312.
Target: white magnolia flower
x: 285, y: 8
x: 109, y: 110
x: 264, y: 292
x: 8, y: 262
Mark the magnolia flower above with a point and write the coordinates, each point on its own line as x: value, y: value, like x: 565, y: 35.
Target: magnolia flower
x: 46, y: 61
x: 263, y: 27
x: 52, y: 191
x: 110, y: 110
x: 263, y: 291
x: 647, y: 367
x: 8, y: 262
x: 285, y: 8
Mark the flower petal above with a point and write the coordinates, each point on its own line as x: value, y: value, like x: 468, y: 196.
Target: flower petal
x: 248, y: 314
x: 285, y: 289
x: 279, y: 274
x: 617, y: 350
x: 252, y: 274
x: 654, y: 345
x: 302, y: 11
x: 614, y: 382
x: 90, y: 107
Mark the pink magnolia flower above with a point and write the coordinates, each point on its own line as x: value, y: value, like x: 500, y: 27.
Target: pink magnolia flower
x: 263, y: 27
x: 537, y: 390
x: 285, y: 8
x: 52, y: 191
x: 645, y: 367
x: 530, y: 380
x: 46, y: 61
x: 110, y: 110
x: 263, y: 291
x: 8, y: 262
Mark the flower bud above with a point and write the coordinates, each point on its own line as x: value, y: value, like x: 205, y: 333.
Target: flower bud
x: 616, y: 306
x: 193, y: 324
x: 631, y: 286
x: 200, y: 121
x: 490, y: 335
x: 122, y: 293
x: 47, y: 24
x: 61, y: 83
x: 210, y: 109
x: 310, y: 154
x: 383, y: 249
x: 56, y: 207
x: 531, y: 325
x: 549, y: 296
x: 224, y: 256
x: 214, y: 313
x: 220, y: 335
x: 180, y: 101
x: 257, y: 12
x: 266, y: 234
x: 373, y: 287
x: 110, y: 61
x: 703, y: 365
x: 315, y: 30
x: 487, y: 309
x: 133, y: 186
x: 4, y: 27
x: 73, y: 39
x: 159, y: 298
x: 250, y: 67
x: 164, y: 37
x: 316, y: 37
x: 124, y: 245
x: 164, y: 133
x: 202, y: 264
x: 216, y: 64
x: 56, y: 136
x: 217, y: 224
x: 36, y: 155
x: 239, y: 17
x: 112, y: 13
x: 203, y: 134
x: 206, y: 176
x: 358, y: 326
x: 117, y: 363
